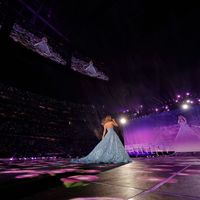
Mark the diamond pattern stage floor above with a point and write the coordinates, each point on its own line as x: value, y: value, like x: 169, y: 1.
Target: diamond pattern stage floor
x: 160, y: 178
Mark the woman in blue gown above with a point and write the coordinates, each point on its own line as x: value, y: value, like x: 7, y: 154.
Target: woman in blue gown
x: 109, y: 150
x: 187, y: 138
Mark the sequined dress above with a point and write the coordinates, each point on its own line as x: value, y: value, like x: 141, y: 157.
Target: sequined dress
x: 109, y: 150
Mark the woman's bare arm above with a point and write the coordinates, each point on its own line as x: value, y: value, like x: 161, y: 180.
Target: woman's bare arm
x: 115, y: 123
x: 104, y: 132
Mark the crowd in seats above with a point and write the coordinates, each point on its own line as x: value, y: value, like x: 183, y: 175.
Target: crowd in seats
x: 34, y: 125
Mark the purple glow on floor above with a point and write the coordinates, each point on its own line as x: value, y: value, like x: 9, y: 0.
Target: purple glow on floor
x: 75, y: 165
x: 91, y: 171
x: 20, y: 169
x: 163, y: 165
x: 26, y: 176
x: 17, y: 171
x: 173, y: 180
x: 193, y: 171
x: 183, y: 174
x: 159, y: 169
x: 69, y: 180
x: 158, y: 179
x: 84, y: 177
x: 60, y: 171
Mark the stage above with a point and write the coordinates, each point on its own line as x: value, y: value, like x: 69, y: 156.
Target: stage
x: 156, y: 178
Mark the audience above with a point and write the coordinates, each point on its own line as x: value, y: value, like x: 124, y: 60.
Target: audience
x: 34, y: 125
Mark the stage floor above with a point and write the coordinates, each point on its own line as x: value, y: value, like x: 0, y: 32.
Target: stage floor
x: 160, y: 178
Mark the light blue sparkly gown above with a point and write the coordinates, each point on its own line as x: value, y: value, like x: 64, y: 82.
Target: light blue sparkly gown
x: 109, y: 150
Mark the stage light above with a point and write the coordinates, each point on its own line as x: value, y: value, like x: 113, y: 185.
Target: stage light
x: 123, y: 120
x: 185, y: 106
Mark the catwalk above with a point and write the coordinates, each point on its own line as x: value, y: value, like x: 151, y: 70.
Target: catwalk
x: 163, y: 177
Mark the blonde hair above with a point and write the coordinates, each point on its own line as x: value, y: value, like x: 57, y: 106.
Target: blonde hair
x: 108, y: 118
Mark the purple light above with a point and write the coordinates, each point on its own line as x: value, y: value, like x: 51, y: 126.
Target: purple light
x: 84, y: 177
x: 77, y: 165
x: 156, y: 109
x: 154, y: 179
x: 196, y: 171
x: 26, y: 176
x: 163, y: 165
x: 158, y: 179
x: 187, y: 93
x: 93, y: 171
x: 18, y: 171
x: 183, y: 174
x: 173, y: 180
x: 159, y: 169
x: 178, y: 96
x: 60, y: 171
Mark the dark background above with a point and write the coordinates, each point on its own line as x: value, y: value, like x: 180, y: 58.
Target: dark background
x: 148, y: 49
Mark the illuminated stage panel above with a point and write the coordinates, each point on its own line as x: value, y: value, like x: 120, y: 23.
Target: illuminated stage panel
x: 177, y: 131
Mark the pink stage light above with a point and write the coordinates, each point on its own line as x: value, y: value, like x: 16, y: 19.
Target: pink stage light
x: 92, y: 171
x: 84, y: 177
x: 26, y: 176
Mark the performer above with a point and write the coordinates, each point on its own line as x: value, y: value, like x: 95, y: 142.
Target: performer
x: 109, y: 149
x: 186, y: 138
